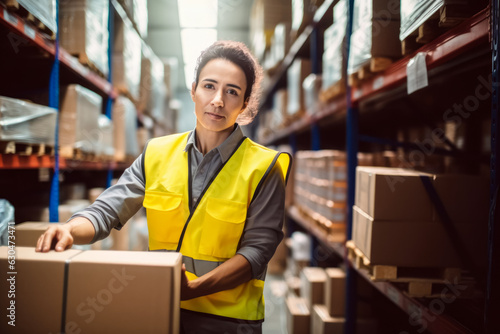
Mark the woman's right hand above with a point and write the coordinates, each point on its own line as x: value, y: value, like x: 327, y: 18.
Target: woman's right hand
x: 56, y: 237
x: 60, y: 237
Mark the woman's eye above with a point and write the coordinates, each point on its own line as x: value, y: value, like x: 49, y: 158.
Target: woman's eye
x: 232, y: 92
x: 209, y: 86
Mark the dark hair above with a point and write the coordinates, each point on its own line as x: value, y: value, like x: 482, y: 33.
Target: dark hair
x: 238, y: 54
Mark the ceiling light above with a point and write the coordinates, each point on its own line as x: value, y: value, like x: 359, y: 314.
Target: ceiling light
x: 197, y: 13
x: 194, y: 41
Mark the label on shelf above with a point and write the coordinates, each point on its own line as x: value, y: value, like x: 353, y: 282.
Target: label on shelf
x: 30, y: 32
x: 378, y: 83
x: 393, y: 294
x: 416, y: 72
x: 9, y: 17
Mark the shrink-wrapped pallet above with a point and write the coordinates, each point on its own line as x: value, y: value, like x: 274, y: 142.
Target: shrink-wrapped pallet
x: 152, y: 93
x: 263, y: 20
x: 44, y: 10
x: 105, y: 147
x: 26, y: 122
x: 375, y: 33
x: 333, y: 57
x: 137, y: 11
x: 84, y: 31
x: 78, y: 121
x: 124, y: 128
x: 296, y: 74
x: 126, y: 58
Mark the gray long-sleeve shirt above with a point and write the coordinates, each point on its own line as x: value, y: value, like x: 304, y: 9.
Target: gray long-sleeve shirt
x: 263, y: 226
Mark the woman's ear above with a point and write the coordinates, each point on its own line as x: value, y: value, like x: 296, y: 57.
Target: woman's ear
x: 193, y: 90
x: 245, y: 105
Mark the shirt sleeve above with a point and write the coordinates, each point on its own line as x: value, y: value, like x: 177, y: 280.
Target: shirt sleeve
x: 264, y: 225
x: 117, y: 204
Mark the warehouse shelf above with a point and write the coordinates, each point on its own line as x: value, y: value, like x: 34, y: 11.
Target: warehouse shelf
x: 17, y: 161
x: 324, y: 17
x: 470, y: 34
x: 335, y: 109
x: 441, y: 323
x: 437, y: 323
x: 336, y: 247
x: 29, y: 34
x: 466, y: 36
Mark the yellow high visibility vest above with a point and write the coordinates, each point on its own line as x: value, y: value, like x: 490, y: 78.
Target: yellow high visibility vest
x: 209, y: 235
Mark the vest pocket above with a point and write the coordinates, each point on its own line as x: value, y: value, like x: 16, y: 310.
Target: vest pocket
x: 222, y: 228
x: 165, y: 216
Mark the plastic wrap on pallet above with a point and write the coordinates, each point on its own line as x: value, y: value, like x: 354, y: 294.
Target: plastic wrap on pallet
x: 137, y: 11
x: 26, y: 122
x: 375, y: 25
x: 280, y: 42
x: 152, y: 92
x: 264, y: 17
x: 141, y: 16
x: 296, y: 74
x: 311, y: 86
x: 79, y: 121
x: 415, y: 12
x: 333, y: 56
x: 44, y: 10
x: 106, y: 147
x: 124, y: 127
x: 126, y: 58
x: 84, y: 30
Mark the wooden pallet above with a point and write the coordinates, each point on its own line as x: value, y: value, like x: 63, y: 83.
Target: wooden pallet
x: 447, y: 17
x: 84, y: 60
x: 416, y: 282
x: 39, y: 149
x: 367, y: 71
x: 332, y: 92
x: 14, y: 6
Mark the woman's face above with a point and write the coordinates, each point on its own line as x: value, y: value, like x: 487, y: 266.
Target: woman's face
x: 219, y: 97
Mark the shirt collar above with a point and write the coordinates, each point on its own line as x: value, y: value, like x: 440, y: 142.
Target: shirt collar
x: 226, y: 148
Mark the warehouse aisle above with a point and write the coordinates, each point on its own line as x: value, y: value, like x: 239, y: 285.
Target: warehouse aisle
x: 274, y: 293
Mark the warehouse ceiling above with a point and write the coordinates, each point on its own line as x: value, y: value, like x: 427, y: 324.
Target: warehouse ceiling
x: 164, y: 31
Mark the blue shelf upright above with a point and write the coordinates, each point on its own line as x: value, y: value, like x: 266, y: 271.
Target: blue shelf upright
x: 492, y: 304
x: 352, y: 162
x: 54, y: 103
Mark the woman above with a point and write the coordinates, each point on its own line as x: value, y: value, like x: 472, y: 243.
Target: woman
x: 211, y: 194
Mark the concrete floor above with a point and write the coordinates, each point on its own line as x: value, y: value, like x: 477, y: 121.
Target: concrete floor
x: 275, y: 293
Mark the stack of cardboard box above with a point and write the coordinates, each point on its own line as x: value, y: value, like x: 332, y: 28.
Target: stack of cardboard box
x: 396, y: 223
x: 91, y: 292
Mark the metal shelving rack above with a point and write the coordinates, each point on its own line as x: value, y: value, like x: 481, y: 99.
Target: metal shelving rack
x: 24, y: 33
x: 474, y: 32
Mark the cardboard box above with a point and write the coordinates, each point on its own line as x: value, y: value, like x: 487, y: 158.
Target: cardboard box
x: 415, y: 243
x: 312, y: 287
x: 398, y: 194
x: 27, y: 233
x: 107, y: 291
x: 38, y: 290
x: 298, y: 316
x: 323, y: 323
x: 392, y: 194
x: 335, y: 290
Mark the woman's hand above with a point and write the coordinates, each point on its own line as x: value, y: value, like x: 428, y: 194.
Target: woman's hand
x: 62, y: 236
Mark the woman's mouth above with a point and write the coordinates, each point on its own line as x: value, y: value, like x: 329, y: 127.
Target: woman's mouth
x: 215, y: 117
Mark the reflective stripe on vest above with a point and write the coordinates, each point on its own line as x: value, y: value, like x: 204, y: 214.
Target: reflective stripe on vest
x: 209, y: 235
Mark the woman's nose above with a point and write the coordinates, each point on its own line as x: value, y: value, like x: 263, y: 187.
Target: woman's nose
x: 217, y: 100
